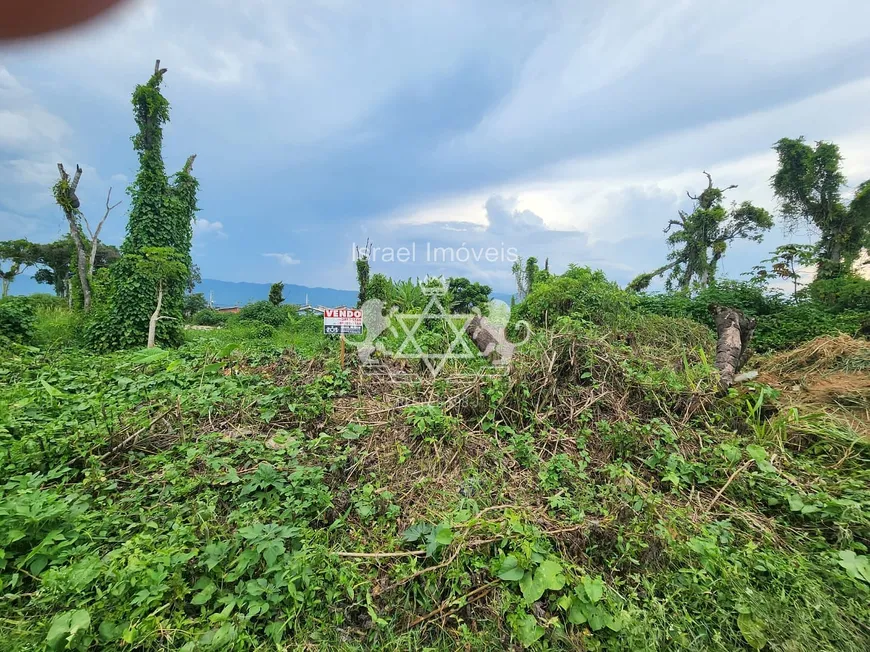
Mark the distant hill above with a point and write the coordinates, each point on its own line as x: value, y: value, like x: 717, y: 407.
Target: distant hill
x: 230, y: 293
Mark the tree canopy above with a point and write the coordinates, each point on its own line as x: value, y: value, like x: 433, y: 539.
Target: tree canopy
x: 808, y: 184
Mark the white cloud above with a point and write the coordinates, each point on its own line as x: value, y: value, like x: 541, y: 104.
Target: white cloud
x: 203, y: 227
x: 284, y: 259
x: 119, y: 178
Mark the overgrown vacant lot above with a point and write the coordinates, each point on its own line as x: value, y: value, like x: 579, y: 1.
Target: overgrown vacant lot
x: 246, y: 493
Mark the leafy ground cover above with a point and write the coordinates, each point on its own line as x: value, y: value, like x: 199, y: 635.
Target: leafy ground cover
x: 246, y: 492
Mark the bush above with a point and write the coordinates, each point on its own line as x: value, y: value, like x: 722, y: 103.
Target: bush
x: 209, y: 317
x: 57, y: 327
x: 799, y: 323
x: 838, y: 294
x: 262, y: 331
x: 263, y: 312
x: 580, y: 293
x: 17, y: 319
x: 42, y: 300
x: 749, y: 298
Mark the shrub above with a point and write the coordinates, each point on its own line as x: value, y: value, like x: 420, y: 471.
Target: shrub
x: 43, y: 300
x: 209, y: 317
x: 580, y: 293
x: 838, y: 294
x: 17, y: 319
x: 57, y: 326
x: 262, y: 331
x: 263, y: 312
x: 800, y: 323
x: 750, y: 298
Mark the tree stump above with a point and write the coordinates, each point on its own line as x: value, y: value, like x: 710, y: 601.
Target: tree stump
x: 734, y: 331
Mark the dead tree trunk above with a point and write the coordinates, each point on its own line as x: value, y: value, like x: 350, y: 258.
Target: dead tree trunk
x: 75, y: 231
x: 734, y: 331
x: 485, y: 340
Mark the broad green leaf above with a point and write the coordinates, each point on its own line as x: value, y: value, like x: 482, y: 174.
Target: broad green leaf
x: 550, y: 575
x: 752, y: 630
x: 531, y: 587
x: 795, y: 503
x: 509, y: 570
x: 594, y: 589
x: 576, y: 614
x: 528, y: 630
x: 856, y: 566
x: 443, y: 535
x: 57, y: 632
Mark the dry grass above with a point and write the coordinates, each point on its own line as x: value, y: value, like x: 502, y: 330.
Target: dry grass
x: 829, y: 375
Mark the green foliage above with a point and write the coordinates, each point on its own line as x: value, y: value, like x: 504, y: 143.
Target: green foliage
x: 579, y: 292
x: 808, y: 184
x: 466, y: 295
x: 249, y: 494
x: 379, y: 287
x: 848, y: 292
x: 781, y: 323
x: 701, y: 237
x: 194, y: 303
x: 799, y: 323
x: 264, y: 312
x: 786, y: 262
x: 20, y: 254
x: 17, y: 318
x: 276, y: 293
x: 209, y: 317
x: 162, y: 213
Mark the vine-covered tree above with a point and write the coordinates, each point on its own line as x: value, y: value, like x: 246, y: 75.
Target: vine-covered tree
x: 698, y: 240
x: 161, y: 216
x: 276, y: 293
x: 363, y: 270
x: 808, y: 184
x: 17, y: 256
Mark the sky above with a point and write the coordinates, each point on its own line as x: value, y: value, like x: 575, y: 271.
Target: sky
x: 564, y: 130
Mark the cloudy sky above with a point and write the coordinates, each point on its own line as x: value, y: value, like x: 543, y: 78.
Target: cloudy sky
x: 569, y: 130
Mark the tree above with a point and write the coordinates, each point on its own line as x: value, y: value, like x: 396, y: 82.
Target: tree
x: 194, y: 278
x: 786, y: 262
x: 20, y: 254
x: 808, y: 184
x: 467, y: 295
x: 162, y: 266
x: 276, y: 293
x: 193, y: 303
x: 86, y: 249
x: 162, y: 212
x: 54, y: 259
x: 519, y: 271
x: 362, y: 272
x: 702, y: 236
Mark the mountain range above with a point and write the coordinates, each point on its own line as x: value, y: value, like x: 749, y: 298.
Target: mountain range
x: 232, y: 293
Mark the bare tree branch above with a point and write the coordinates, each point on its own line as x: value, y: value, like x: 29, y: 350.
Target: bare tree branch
x: 95, y: 235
